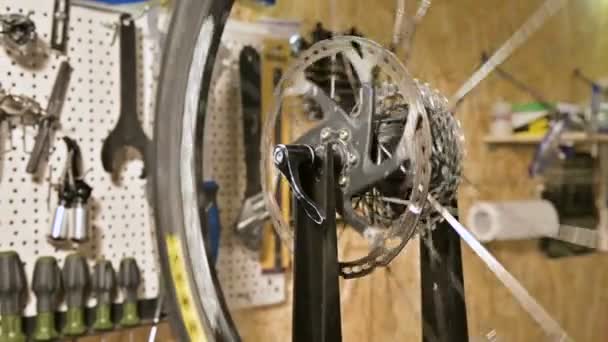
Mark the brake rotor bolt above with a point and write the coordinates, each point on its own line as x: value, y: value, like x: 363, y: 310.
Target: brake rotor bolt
x: 278, y: 157
x: 325, y: 133
x: 344, y: 134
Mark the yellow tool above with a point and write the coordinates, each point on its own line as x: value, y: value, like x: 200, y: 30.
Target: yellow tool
x: 276, y: 54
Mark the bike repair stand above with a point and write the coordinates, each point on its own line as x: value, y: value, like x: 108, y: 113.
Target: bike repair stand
x: 316, y: 308
x: 316, y: 293
x: 444, y: 311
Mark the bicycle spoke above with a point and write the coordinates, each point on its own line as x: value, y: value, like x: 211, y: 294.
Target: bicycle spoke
x: 548, y: 9
x: 521, y: 295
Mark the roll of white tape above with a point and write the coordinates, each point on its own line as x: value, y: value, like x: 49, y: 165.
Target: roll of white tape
x: 513, y: 220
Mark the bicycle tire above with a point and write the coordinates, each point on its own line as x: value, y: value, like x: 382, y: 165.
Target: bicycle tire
x: 196, y: 304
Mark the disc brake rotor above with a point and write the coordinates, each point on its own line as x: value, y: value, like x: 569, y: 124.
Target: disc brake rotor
x: 396, y: 144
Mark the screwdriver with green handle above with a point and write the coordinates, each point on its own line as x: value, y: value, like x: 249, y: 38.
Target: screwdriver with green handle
x: 129, y: 279
x: 13, y: 297
x: 104, y: 286
x: 46, y: 284
x: 76, y: 280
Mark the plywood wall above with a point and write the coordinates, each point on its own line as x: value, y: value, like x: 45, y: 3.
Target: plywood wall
x: 447, y: 50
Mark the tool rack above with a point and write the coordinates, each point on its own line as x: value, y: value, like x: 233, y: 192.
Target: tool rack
x: 121, y: 221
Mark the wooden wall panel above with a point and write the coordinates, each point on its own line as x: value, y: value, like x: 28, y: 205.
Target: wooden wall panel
x: 447, y: 50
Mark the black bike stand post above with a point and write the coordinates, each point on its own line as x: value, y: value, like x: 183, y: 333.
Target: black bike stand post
x: 316, y: 298
x: 443, y: 306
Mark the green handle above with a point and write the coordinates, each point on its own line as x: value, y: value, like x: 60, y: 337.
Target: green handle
x: 45, y: 327
x: 103, y: 318
x: 130, y: 317
x: 74, y: 324
x: 10, y: 329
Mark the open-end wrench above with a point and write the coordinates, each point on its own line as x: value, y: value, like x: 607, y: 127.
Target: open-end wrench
x: 253, y: 213
x: 128, y: 131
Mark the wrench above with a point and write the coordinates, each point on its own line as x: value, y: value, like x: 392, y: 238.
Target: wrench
x: 53, y: 110
x: 253, y: 213
x: 128, y: 131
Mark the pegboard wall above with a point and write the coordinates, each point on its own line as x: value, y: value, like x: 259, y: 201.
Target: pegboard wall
x: 239, y: 271
x: 121, y: 224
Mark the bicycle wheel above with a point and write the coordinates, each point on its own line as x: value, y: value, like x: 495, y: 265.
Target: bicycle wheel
x: 199, y: 310
x: 197, y: 306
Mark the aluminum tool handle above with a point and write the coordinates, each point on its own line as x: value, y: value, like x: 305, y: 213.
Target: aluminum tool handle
x: 80, y: 222
x: 59, y: 225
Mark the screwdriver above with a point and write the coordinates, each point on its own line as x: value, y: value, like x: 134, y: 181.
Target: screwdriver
x: 76, y: 280
x: 104, y: 286
x: 46, y: 284
x: 13, y: 297
x: 212, y: 213
x: 129, y: 280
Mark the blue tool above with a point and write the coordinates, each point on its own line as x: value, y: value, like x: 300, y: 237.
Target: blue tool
x: 212, y: 213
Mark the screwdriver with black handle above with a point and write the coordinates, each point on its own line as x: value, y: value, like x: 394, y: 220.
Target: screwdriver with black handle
x: 46, y: 284
x: 13, y: 297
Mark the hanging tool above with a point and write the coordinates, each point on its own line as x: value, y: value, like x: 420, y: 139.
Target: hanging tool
x: 18, y: 32
x: 74, y: 193
x: 212, y: 213
x: 13, y: 297
x: 17, y: 109
x: 46, y: 284
x: 51, y: 119
x: 76, y: 281
x: 128, y: 131
x: 21, y: 107
x: 253, y: 213
x: 129, y: 279
x: 80, y: 226
x: 66, y: 192
x: 4, y: 130
x: 104, y: 287
x: 59, y: 30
